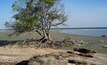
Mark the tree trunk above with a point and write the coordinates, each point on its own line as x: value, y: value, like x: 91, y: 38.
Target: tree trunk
x: 46, y: 36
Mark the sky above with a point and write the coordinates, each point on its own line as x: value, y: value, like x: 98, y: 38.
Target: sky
x: 81, y: 13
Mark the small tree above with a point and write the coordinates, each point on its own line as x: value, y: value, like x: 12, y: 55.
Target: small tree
x: 37, y: 15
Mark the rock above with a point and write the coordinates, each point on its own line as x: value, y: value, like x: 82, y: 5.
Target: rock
x: 25, y: 62
x: 46, y: 60
x: 86, y: 55
x: 101, y: 41
x: 77, y: 62
x: 70, y: 64
x: 105, y: 46
x: 79, y: 42
x: 72, y: 61
x: 71, y: 52
x: 84, y: 52
x: 67, y: 57
x: 103, y: 35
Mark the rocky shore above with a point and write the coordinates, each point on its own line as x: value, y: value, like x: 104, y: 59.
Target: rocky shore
x: 48, y: 56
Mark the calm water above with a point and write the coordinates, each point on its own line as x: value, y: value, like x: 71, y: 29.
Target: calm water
x: 89, y: 32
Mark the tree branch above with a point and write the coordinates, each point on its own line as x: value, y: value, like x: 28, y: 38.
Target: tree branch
x: 38, y: 32
x: 57, y: 24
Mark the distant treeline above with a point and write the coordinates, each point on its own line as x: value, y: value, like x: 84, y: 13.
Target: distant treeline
x: 82, y: 28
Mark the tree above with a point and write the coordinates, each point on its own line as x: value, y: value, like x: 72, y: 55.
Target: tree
x: 37, y: 15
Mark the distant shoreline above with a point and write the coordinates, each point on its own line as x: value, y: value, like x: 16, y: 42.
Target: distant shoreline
x: 83, y: 28
x: 72, y: 28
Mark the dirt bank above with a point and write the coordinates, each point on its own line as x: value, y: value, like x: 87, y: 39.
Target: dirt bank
x: 11, y: 56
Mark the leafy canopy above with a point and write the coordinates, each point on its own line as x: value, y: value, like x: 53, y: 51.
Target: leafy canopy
x: 37, y: 15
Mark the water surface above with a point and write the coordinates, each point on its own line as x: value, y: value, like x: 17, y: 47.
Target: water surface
x: 89, y: 32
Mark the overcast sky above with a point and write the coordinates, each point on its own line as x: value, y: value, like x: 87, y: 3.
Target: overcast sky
x: 81, y: 13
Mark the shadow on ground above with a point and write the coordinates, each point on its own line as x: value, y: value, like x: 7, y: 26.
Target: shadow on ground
x: 6, y: 42
x: 25, y: 62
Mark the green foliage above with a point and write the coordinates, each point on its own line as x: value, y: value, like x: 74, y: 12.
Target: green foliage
x: 50, y: 2
x: 36, y: 15
x: 25, y: 26
x: 25, y: 18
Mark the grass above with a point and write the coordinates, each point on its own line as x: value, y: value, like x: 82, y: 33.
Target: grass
x: 93, y: 42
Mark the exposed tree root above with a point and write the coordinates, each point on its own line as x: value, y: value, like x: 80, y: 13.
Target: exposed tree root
x: 43, y: 43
